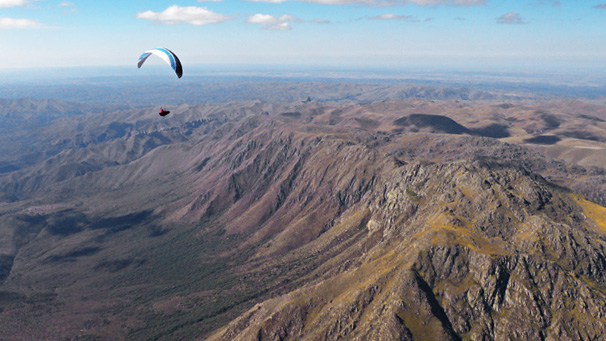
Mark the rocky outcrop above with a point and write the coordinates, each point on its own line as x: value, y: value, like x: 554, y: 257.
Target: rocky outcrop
x: 454, y: 251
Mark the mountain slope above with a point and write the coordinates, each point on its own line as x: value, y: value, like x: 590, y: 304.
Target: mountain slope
x: 453, y: 251
x: 302, y: 220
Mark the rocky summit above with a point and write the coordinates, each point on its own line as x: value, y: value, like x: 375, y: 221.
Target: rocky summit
x: 407, y: 219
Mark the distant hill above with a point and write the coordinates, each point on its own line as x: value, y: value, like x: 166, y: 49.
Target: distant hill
x: 395, y: 219
x: 130, y: 88
x: 135, y: 93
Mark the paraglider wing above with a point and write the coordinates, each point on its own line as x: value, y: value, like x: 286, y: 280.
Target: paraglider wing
x: 166, y: 55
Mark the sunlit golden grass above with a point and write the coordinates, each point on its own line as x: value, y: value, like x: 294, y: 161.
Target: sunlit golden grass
x: 345, y: 289
x: 594, y: 212
x: 442, y: 233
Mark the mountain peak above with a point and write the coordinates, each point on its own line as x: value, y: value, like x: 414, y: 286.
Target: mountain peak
x: 450, y: 251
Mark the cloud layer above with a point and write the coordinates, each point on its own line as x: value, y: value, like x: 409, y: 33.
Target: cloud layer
x: 270, y: 22
x: 270, y: 1
x: 183, y: 15
x: 464, y: 3
x: 10, y: 23
x: 447, y: 2
x: 391, y: 16
x: 511, y: 19
x: 12, y: 3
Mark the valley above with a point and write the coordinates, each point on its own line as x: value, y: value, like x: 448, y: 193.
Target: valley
x: 404, y: 217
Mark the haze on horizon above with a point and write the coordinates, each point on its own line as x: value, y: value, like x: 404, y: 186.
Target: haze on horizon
x: 458, y: 34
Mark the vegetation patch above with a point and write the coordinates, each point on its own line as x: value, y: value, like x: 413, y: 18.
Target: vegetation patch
x: 74, y: 254
x: 551, y: 121
x: 6, y: 264
x: 593, y: 211
x: 543, y: 139
x: 114, y: 265
x: 583, y: 135
x: 413, y: 196
x: 66, y: 223
x: 202, y: 164
x: 291, y: 114
x: 125, y: 222
x: 591, y: 118
x: 9, y: 297
x: 438, y: 122
x: 367, y: 123
x: 157, y: 231
x: 497, y: 131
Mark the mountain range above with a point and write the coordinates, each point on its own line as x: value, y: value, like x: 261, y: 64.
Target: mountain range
x: 390, y: 219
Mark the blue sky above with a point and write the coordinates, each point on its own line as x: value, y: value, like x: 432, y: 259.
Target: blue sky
x: 356, y: 33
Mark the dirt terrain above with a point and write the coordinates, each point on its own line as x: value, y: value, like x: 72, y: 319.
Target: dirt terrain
x: 305, y: 219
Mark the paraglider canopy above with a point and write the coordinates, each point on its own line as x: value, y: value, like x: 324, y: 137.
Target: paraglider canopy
x: 165, y: 54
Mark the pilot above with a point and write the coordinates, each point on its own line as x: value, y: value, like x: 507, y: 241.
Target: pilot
x: 163, y: 112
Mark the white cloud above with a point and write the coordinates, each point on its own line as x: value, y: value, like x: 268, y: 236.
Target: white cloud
x: 391, y: 16
x: 8, y: 23
x: 12, y: 3
x: 183, y: 15
x: 554, y: 3
x: 270, y: 22
x: 270, y: 1
x: 447, y: 2
x: 266, y: 19
x: 68, y: 5
x: 401, y: 2
x: 347, y: 2
x: 284, y: 26
x: 511, y: 19
x: 263, y: 19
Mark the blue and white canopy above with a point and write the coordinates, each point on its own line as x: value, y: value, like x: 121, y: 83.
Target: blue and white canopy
x: 166, y: 55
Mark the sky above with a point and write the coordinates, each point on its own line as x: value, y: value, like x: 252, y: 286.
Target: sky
x: 349, y: 33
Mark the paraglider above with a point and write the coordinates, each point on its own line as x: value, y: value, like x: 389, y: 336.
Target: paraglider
x: 170, y: 58
x: 163, y: 112
x: 166, y: 55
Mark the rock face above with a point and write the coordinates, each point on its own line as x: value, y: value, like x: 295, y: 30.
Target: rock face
x: 303, y: 221
x: 451, y: 251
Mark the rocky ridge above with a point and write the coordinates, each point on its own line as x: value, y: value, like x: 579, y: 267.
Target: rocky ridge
x: 303, y: 221
x: 450, y: 251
